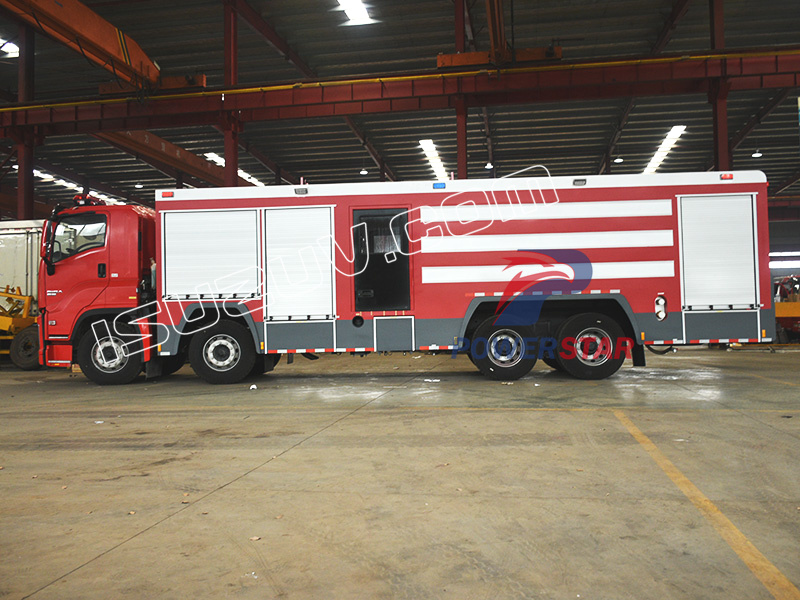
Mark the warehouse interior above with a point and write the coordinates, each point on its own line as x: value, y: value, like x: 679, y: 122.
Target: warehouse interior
x: 406, y: 475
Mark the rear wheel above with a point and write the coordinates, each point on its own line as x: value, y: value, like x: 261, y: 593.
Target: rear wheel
x: 500, y: 352
x: 24, y: 351
x: 596, y: 353
x: 113, y: 359
x: 223, y: 353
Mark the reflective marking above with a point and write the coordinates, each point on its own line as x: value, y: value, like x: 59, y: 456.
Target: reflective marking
x: 468, y: 210
x: 776, y: 582
x: 579, y: 239
x: 505, y: 273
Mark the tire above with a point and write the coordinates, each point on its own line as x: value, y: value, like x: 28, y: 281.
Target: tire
x: 593, y: 358
x: 500, y: 352
x: 24, y: 351
x: 108, y: 361
x: 223, y: 353
x: 552, y: 362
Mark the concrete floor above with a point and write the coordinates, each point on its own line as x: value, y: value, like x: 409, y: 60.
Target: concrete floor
x: 406, y: 477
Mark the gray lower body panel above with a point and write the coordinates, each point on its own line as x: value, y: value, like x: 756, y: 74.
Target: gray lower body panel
x: 722, y: 325
x: 290, y: 335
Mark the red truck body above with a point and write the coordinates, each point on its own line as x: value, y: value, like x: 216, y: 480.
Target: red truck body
x: 579, y: 272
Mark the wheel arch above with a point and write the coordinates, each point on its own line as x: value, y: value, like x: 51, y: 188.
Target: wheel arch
x: 555, y: 309
x: 198, y: 316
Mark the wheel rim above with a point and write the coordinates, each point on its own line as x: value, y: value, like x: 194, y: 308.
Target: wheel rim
x: 221, y: 352
x: 506, y: 348
x: 27, y: 349
x: 109, y: 355
x: 590, y: 348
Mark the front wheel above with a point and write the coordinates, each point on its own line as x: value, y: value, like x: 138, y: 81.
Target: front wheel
x: 589, y: 346
x: 223, y: 353
x: 110, y: 359
x: 501, y: 352
x: 24, y: 351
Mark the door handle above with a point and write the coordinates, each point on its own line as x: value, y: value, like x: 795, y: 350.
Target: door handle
x: 101, y: 269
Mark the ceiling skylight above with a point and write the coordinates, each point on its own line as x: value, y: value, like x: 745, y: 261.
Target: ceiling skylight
x: 356, y: 12
x: 663, y: 150
x: 429, y: 148
x: 10, y: 49
x: 70, y: 185
x: 218, y: 160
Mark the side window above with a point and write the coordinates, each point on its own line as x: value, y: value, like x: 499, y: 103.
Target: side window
x: 78, y: 233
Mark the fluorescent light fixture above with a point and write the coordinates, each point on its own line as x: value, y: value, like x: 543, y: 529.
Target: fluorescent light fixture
x: 138, y: 186
x: 784, y: 253
x: 757, y: 154
x: 619, y: 160
x: 363, y: 172
x: 664, y: 149
x: 429, y: 148
x: 356, y: 12
x: 11, y: 49
x: 218, y: 160
x: 784, y: 264
x: 489, y: 166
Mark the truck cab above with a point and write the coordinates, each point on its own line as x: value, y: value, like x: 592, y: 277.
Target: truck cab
x: 96, y: 262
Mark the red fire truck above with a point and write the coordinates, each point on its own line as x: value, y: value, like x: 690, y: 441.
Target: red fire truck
x: 580, y: 272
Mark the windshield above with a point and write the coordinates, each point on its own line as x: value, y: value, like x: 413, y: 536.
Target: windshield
x: 77, y: 233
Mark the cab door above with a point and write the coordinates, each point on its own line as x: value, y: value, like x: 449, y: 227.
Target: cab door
x: 79, y: 274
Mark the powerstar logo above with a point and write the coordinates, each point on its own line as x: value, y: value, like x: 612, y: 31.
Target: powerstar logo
x: 536, y: 276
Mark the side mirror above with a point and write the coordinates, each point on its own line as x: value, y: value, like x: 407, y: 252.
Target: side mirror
x: 47, y: 246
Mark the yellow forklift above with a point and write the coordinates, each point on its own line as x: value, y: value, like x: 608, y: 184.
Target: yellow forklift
x: 19, y: 333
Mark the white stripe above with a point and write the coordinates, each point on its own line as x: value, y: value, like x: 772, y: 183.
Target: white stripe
x: 504, y: 273
x: 467, y: 210
x: 551, y: 241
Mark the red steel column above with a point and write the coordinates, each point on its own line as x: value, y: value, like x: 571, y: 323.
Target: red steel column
x: 231, y: 132
x: 25, y: 144
x: 461, y: 137
x: 718, y: 94
x: 460, y: 21
x: 717, y: 24
x: 461, y: 106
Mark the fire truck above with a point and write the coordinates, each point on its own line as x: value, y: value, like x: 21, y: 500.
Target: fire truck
x: 580, y: 272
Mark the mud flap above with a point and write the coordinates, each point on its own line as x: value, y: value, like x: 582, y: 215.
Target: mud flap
x: 638, y: 355
x: 152, y: 369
